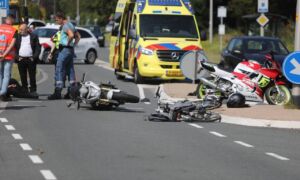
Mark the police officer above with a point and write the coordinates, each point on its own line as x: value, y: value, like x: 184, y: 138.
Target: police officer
x: 69, y: 38
x: 7, y: 54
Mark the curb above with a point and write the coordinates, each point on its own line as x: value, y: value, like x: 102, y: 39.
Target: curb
x: 244, y: 121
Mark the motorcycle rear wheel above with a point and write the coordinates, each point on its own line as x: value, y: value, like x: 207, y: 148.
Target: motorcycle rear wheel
x: 274, y: 97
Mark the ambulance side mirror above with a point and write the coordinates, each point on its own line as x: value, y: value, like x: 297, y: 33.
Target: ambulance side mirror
x: 132, y: 34
x: 203, y: 36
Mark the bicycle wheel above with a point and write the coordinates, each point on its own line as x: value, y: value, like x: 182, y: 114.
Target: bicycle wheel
x: 208, y: 117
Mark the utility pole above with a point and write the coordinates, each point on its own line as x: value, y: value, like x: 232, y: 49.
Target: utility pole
x: 78, y: 13
x: 296, y: 87
x: 54, y: 7
x: 211, y: 5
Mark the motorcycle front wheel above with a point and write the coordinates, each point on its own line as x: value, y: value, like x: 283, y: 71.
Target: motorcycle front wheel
x: 208, y: 117
x: 281, y: 97
x: 201, y: 91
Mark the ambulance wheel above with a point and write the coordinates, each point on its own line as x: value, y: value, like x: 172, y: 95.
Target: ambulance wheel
x: 119, y: 77
x: 138, y: 79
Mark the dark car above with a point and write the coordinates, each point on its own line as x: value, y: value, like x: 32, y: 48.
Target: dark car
x: 96, y: 30
x: 252, y: 48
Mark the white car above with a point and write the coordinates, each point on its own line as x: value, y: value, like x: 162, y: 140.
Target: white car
x: 86, y: 51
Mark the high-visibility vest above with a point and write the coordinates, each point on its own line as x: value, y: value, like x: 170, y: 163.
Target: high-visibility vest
x: 7, y: 33
x: 56, y: 39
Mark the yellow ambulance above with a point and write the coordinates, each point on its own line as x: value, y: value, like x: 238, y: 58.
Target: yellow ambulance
x: 150, y: 36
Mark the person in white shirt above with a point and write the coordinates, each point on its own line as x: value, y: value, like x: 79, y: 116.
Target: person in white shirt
x: 27, y: 50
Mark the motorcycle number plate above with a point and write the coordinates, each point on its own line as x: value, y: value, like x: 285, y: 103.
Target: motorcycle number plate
x: 174, y: 73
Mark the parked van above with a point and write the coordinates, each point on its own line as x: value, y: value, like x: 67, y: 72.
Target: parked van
x: 150, y: 36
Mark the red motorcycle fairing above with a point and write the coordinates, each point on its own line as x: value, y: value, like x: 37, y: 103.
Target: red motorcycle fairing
x: 271, y: 73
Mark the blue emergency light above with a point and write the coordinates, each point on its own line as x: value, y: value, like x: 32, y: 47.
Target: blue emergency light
x: 165, y: 2
x: 140, y: 5
x: 188, y: 5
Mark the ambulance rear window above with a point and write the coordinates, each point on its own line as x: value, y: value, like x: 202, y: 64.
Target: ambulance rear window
x: 168, y: 26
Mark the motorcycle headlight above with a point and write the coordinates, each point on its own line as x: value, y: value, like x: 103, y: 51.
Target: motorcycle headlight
x: 147, y: 52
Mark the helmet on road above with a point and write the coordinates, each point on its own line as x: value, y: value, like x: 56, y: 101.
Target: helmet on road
x: 236, y: 100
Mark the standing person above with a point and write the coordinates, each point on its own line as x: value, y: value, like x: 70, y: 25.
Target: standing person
x: 7, y: 54
x: 28, y: 50
x: 69, y: 38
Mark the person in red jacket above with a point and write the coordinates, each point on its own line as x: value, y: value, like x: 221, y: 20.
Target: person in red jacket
x: 7, y: 54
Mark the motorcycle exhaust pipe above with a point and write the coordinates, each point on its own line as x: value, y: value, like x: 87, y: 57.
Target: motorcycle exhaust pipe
x: 212, y: 85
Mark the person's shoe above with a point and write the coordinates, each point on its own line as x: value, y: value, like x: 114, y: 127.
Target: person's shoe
x: 67, y: 95
x: 5, y: 98
x: 55, y: 95
x: 33, y: 95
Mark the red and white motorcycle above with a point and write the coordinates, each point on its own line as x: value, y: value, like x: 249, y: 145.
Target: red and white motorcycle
x: 249, y: 78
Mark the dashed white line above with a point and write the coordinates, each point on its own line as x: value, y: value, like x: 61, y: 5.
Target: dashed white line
x: 196, y: 126
x: 26, y: 147
x: 3, y: 120
x: 17, y: 136
x: 48, y: 175
x: 10, y: 127
x: 277, y: 156
x: 217, y: 134
x: 36, y: 159
x: 244, y: 144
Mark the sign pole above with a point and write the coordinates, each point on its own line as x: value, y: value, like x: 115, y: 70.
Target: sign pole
x: 221, y: 37
x: 262, y: 31
x: 296, y: 87
x: 196, y: 67
x: 211, y: 21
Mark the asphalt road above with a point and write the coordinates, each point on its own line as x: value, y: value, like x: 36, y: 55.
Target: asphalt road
x: 47, y: 140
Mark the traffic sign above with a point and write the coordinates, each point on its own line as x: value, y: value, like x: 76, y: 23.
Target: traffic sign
x: 263, y: 6
x: 189, y: 63
x: 262, y: 20
x: 3, y: 4
x: 222, y: 12
x: 291, y: 67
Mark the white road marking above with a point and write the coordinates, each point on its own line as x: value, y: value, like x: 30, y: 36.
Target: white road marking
x: 196, y: 126
x: 277, y: 156
x: 25, y: 101
x: 17, y: 136
x: 36, y: 159
x: 244, y: 144
x: 48, y: 175
x: 3, y: 120
x: 217, y: 134
x: 44, y: 76
x: 10, y: 127
x: 26, y: 147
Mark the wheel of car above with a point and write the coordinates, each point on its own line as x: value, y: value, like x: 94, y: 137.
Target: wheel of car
x: 138, y: 79
x: 91, y: 57
x: 45, y: 56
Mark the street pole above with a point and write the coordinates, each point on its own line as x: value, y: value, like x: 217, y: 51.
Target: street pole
x: 54, y: 7
x: 78, y: 15
x: 25, y: 3
x: 211, y: 21
x: 262, y: 31
x: 296, y: 87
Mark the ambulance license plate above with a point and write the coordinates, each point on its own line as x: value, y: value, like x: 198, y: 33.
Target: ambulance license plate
x: 174, y: 73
